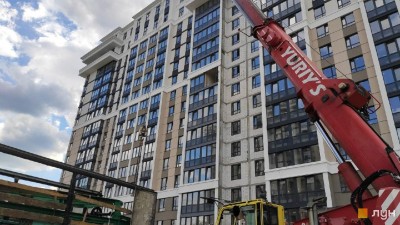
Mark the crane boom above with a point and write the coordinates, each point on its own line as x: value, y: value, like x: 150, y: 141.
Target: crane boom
x: 331, y: 101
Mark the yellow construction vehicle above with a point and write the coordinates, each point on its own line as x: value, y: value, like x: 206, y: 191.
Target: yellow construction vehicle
x: 254, y: 212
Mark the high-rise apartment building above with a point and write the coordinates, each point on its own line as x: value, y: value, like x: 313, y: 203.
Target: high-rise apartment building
x: 221, y: 118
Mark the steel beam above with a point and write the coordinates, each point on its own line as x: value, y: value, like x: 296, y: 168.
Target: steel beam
x: 39, y: 180
x: 53, y: 163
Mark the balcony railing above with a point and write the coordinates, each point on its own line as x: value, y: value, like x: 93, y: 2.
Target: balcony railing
x: 204, y: 102
x: 386, y: 33
x: 122, y: 119
x: 384, y: 9
x: 148, y: 155
x: 116, y: 149
x: 119, y: 134
x: 152, y: 121
x: 285, y: 117
x: 151, y: 138
x: 281, y: 95
x: 205, y: 53
x: 200, y: 161
x: 145, y: 174
x: 305, y: 138
x: 297, y: 198
x: 202, y: 140
x: 203, y: 120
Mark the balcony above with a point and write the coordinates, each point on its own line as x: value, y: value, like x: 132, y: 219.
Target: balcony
x: 119, y: 134
x: 86, y: 134
x: 158, y: 77
x: 82, y: 147
x: 205, y: 53
x: 286, y: 118
x: 116, y: 149
x: 96, y: 129
x: 206, y: 38
x: 386, y: 33
x: 392, y: 58
x: 152, y: 122
x: 204, y: 102
x: 197, y: 88
x: 281, y: 95
x: 113, y: 165
x: 293, y: 142
x: 79, y: 161
x: 148, y: 155
x: 297, y: 199
x: 197, y: 208
x: 92, y: 144
x: 151, y: 138
x: 202, y: 121
x: 107, y: 45
x: 145, y: 175
x: 129, y: 79
x: 202, y: 140
x: 122, y: 119
x: 98, y: 63
x: 200, y: 161
x: 386, y: 9
x: 154, y: 106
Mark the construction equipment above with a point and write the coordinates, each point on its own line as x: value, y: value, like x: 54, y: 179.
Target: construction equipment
x: 337, y: 105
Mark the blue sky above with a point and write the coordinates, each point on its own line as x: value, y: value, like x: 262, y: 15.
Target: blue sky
x: 41, y: 45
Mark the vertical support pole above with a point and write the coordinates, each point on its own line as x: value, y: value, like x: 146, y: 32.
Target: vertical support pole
x: 70, y: 199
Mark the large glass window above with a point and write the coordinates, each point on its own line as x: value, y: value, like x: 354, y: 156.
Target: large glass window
x: 236, y: 172
x: 352, y: 41
x: 322, y: 31
x: 319, y: 12
x: 348, y: 20
x: 357, y: 64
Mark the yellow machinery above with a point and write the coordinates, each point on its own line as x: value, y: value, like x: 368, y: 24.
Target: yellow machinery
x: 254, y: 212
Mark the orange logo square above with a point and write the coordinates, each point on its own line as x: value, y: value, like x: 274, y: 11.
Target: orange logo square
x: 362, y: 213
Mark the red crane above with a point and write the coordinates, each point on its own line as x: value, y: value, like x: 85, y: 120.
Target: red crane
x: 335, y: 104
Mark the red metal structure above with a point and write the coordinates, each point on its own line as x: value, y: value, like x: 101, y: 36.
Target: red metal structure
x: 334, y: 104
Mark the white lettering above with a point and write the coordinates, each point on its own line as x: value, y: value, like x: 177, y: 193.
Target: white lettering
x: 375, y: 212
x: 310, y: 78
x: 392, y: 213
x: 301, y: 69
x: 320, y: 88
x: 383, y: 214
x: 288, y: 52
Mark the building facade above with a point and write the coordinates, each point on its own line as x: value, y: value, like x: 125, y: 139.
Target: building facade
x: 182, y: 102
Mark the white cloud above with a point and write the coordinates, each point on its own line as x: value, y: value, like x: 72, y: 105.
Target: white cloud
x: 7, y: 13
x: 30, y: 13
x: 9, y: 42
x: 49, y: 83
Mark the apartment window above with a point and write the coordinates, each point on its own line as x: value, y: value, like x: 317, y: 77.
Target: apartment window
x: 174, y: 79
x: 254, y: 45
x: 235, y: 54
x: 234, y: 10
x: 236, y: 172
x: 319, y: 12
x: 161, y: 205
x: 175, y: 204
x: 258, y: 144
x: 176, y: 183
x: 235, y: 71
x: 181, y: 11
x: 322, y: 31
x: 169, y: 127
x: 172, y: 95
x: 325, y: 51
x: 183, y: 106
x: 348, y: 19
x: 260, y: 191
x: 391, y: 75
x: 235, y: 89
x: 256, y: 81
x: 259, y: 167
x: 342, y: 3
x: 257, y: 121
x: 178, y: 161
x: 256, y: 100
x: 330, y: 72
x: 165, y: 163
x: 168, y: 145
x: 255, y: 63
x: 365, y: 84
x: 163, y: 184
x: 235, y: 38
x: 236, y: 194
x: 386, y: 23
x: 235, y: 23
x: 235, y: 108
x: 352, y: 41
x: 171, y: 110
x: 357, y: 64
x: 235, y: 149
x: 235, y: 129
